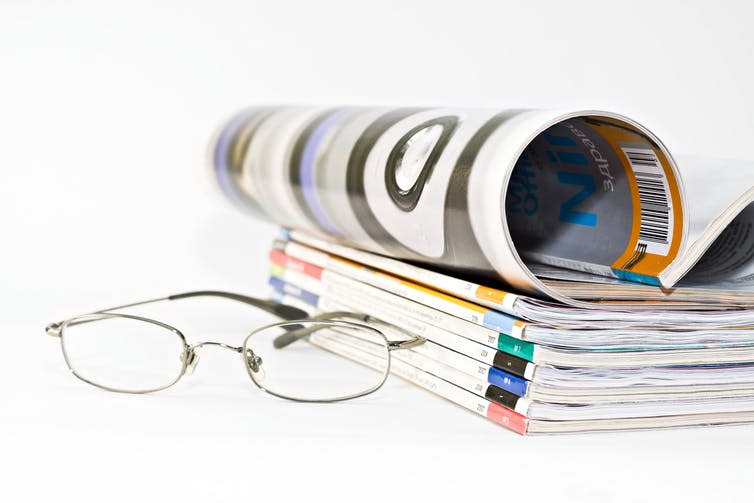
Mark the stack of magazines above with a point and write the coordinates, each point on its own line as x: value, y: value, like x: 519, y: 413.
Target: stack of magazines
x: 566, y: 273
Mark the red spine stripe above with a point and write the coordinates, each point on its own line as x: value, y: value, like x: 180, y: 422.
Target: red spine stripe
x: 294, y: 264
x: 506, y: 417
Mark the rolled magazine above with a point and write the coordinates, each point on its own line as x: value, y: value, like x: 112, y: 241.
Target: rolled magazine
x: 566, y: 204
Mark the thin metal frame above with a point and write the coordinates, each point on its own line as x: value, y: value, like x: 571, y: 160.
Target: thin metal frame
x: 291, y: 316
x: 89, y: 318
x: 317, y: 320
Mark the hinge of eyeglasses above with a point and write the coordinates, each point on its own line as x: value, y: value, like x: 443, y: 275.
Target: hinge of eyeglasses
x: 53, y: 329
x: 407, y: 344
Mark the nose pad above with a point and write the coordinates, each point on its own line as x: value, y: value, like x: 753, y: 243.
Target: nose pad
x: 255, y: 364
x: 191, y: 359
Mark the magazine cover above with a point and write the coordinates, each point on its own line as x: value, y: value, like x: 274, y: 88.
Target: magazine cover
x: 500, y: 195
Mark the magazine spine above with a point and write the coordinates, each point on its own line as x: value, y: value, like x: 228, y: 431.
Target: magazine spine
x: 402, y: 299
x: 483, y: 406
x: 468, y: 311
x: 294, y: 281
x: 490, y: 297
x: 509, y: 382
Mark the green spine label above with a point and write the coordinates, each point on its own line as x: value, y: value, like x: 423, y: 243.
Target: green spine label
x: 516, y: 347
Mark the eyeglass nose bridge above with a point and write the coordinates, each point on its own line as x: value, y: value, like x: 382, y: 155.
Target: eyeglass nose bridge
x: 237, y: 349
x: 192, y: 358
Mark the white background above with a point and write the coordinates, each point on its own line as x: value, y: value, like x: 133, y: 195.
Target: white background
x: 105, y: 112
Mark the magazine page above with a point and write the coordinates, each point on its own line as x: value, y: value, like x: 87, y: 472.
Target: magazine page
x: 721, y: 224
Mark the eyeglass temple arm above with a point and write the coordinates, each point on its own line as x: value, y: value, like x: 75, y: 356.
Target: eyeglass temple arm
x: 292, y: 336
x: 281, y: 310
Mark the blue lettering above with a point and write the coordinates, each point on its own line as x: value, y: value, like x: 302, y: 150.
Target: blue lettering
x: 567, y: 211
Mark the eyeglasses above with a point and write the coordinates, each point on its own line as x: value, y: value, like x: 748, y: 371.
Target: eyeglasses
x: 327, y: 358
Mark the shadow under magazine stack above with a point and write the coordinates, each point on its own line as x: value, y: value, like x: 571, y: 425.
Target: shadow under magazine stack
x: 428, y: 221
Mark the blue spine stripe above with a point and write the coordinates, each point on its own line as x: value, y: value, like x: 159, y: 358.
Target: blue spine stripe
x: 509, y: 382
x: 294, y: 291
x: 636, y: 277
x: 284, y: 233
x: 498, y: 321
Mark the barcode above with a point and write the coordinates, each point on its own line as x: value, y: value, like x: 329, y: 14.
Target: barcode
x: 654, y: 197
